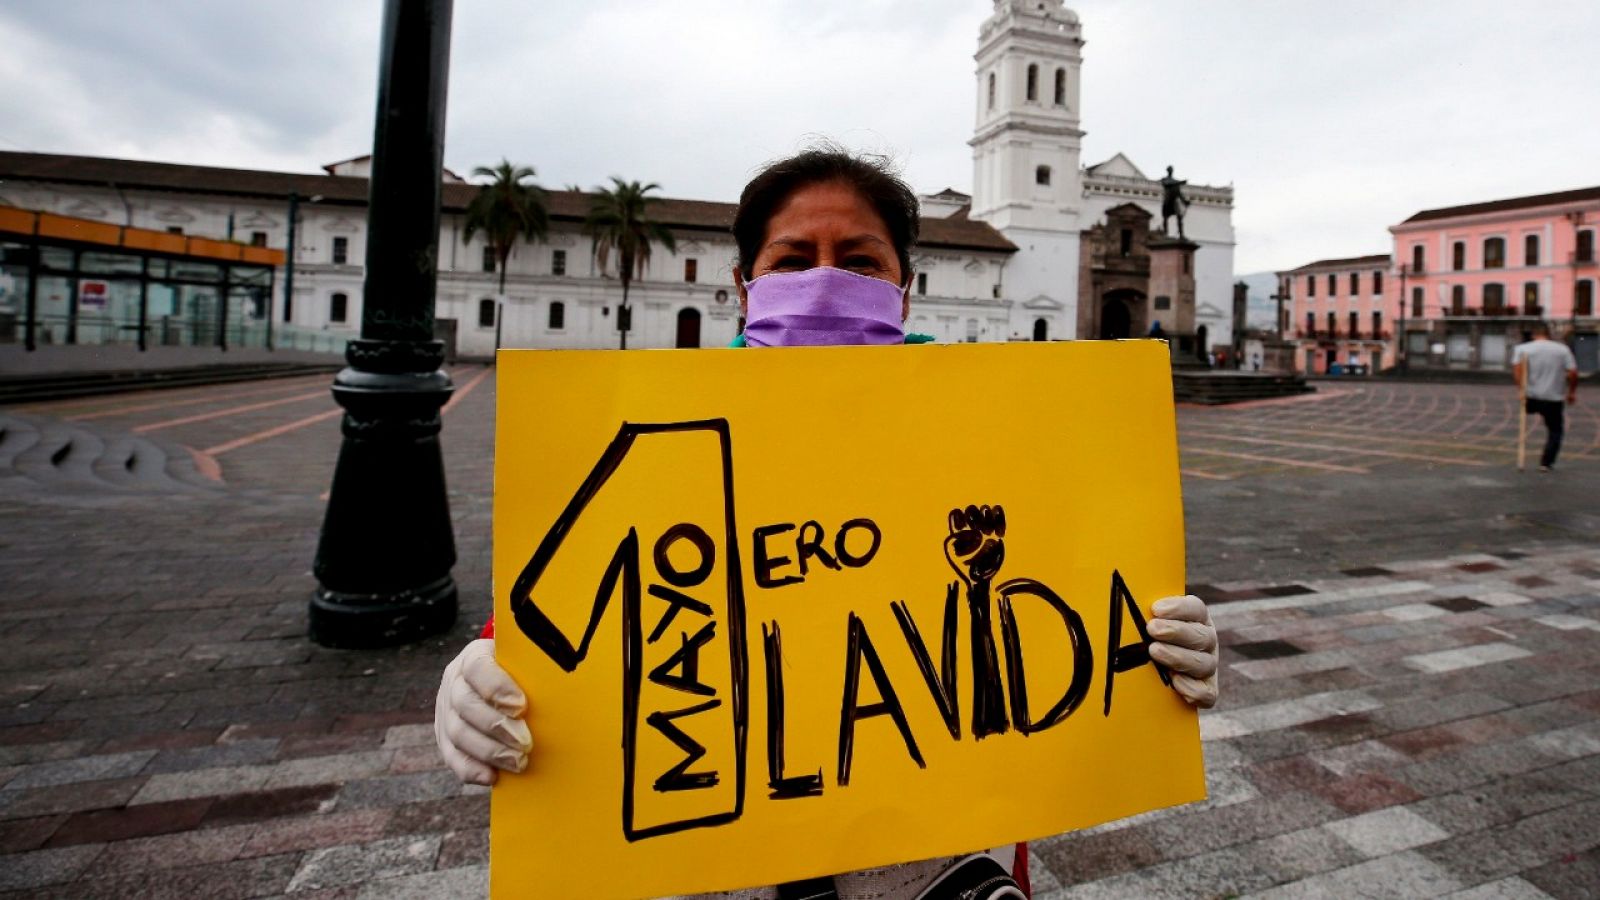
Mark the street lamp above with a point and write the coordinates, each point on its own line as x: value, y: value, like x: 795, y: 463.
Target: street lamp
x: 384, y: 558
x: 1400, y: 337
x: 288, y: 263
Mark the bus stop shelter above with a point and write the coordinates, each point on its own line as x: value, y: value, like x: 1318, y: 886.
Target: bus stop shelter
x: 66, y: 280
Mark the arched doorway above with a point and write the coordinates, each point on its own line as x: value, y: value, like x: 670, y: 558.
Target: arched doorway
x: 1116, y: 317
x: 1203, y: 350
x: 1041, y: 330
x: 688, y: 327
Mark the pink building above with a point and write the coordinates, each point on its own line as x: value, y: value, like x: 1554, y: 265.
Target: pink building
x: 1472, y: 279
x: 1335, y: 316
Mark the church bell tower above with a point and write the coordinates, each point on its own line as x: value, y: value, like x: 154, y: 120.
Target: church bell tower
x: 1026, y: 142
x: 1026, y: 181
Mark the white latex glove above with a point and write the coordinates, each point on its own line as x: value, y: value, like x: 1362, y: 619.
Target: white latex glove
x: 1185, y: 641
x: 477, y: 718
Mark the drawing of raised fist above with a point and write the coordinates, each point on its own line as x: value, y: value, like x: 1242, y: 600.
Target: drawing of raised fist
x: 976, y: 546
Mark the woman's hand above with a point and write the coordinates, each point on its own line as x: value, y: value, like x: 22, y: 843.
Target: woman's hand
x: 477, y: 718
x: 1185, y: 641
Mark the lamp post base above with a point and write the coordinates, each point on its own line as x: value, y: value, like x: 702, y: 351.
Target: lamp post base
x: 348, y: 621
x: 386, y: 549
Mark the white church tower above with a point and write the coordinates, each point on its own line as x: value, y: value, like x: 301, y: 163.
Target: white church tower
x: 1025, y: 150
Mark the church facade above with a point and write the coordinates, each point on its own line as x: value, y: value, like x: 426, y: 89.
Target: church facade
x: 1007, y: 262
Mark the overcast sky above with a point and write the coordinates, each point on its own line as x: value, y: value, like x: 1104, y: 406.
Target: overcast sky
x: 1331, y: 120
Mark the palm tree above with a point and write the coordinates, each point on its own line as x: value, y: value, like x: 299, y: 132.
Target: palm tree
x: 619, y: 221
x: 509, y: 206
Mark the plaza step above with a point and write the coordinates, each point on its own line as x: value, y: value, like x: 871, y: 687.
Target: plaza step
x: 1212, y: 387
x: 42, y: 387
x: 58, y: 455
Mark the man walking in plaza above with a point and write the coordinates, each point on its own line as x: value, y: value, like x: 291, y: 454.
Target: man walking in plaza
x: 1547, y: 375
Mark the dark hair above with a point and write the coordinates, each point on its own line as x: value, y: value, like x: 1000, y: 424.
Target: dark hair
x: 870, y: 176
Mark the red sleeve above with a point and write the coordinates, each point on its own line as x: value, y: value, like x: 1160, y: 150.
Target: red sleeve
x: 1019, y: 869
x: 488, y: 629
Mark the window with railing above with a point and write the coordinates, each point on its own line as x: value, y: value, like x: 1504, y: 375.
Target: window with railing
x: 1311, y: 324
x: 1377, y: 323
x: 1355, y: 324
x: 1416, y: 303
x: 1458, y: 300
x: 1494, y: 299
x: 1333, y: 324
x: 1583, y: 298
x: 1530, y: 298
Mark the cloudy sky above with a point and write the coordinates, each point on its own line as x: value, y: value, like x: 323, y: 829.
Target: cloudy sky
x: 1331, y: 120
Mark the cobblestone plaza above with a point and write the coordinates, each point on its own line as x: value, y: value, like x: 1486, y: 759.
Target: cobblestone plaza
x: 1410, y: 686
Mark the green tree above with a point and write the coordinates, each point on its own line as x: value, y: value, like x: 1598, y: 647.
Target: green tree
x: 619, y: 222
x: 508, y: 207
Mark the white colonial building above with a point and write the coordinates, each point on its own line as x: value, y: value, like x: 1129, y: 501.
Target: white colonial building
x: 1000, y: 264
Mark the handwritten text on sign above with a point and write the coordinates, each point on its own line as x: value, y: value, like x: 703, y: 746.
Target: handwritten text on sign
x: 787, y: 613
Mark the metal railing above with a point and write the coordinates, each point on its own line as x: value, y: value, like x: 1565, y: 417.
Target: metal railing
x: 314, y: 340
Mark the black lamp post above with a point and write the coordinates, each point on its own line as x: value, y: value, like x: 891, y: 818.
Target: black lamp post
x: 1400, y: 339
x: 386, y: 550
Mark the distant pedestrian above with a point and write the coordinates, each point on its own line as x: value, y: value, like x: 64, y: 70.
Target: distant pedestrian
x: 1547, y: 375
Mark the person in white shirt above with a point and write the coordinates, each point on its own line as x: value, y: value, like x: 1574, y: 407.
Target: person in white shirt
x: 1547, y: 373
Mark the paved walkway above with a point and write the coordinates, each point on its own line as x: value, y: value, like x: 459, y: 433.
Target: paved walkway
x: 59, y: 359
x: 1411, y: 693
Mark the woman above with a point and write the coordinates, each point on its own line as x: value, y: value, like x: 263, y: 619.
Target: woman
x: 824, y: 242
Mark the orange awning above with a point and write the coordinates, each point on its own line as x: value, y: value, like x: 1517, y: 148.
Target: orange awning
x: 26, y: 222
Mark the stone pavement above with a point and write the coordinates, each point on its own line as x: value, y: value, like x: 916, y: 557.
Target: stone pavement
x: 1412, y: 729
x: 61, y: 359
x: 1411, y: 684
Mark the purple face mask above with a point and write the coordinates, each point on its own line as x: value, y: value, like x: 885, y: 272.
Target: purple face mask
x: 822, y: 307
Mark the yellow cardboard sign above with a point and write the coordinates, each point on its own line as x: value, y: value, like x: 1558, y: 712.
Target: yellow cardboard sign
x: 787, y: 613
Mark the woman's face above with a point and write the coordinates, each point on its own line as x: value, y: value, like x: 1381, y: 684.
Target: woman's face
x: 826, y: 224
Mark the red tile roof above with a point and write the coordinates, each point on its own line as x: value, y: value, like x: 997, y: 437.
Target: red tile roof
x: 707, y: 215
x: 1472, y: 209
x: 1353, y: 262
